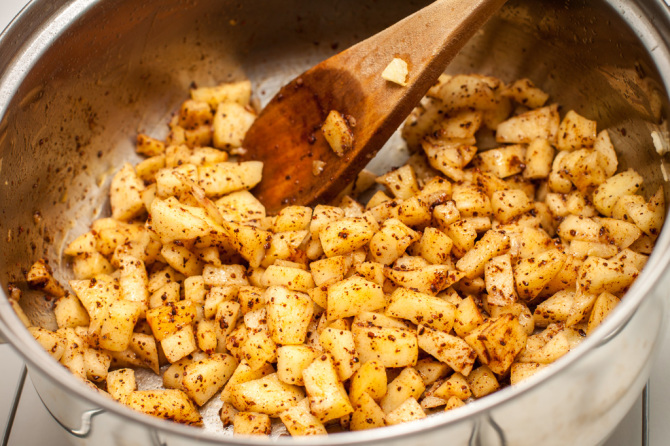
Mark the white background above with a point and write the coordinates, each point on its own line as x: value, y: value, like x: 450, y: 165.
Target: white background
x: 34, y: 426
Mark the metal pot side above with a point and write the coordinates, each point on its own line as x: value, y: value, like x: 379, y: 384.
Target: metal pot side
x: 81, y: 77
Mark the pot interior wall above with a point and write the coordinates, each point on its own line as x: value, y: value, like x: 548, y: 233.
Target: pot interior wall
x: 123, y: 66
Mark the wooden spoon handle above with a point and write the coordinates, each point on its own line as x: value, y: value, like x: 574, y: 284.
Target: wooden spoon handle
x: 427, y: 40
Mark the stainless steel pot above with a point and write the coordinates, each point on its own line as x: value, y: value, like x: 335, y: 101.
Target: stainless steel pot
x: 79, y: 75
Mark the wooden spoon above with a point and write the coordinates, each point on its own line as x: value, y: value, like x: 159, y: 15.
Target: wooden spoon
x: 286, y: 136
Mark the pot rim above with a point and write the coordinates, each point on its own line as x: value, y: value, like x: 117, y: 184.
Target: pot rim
x: 46, y: 17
